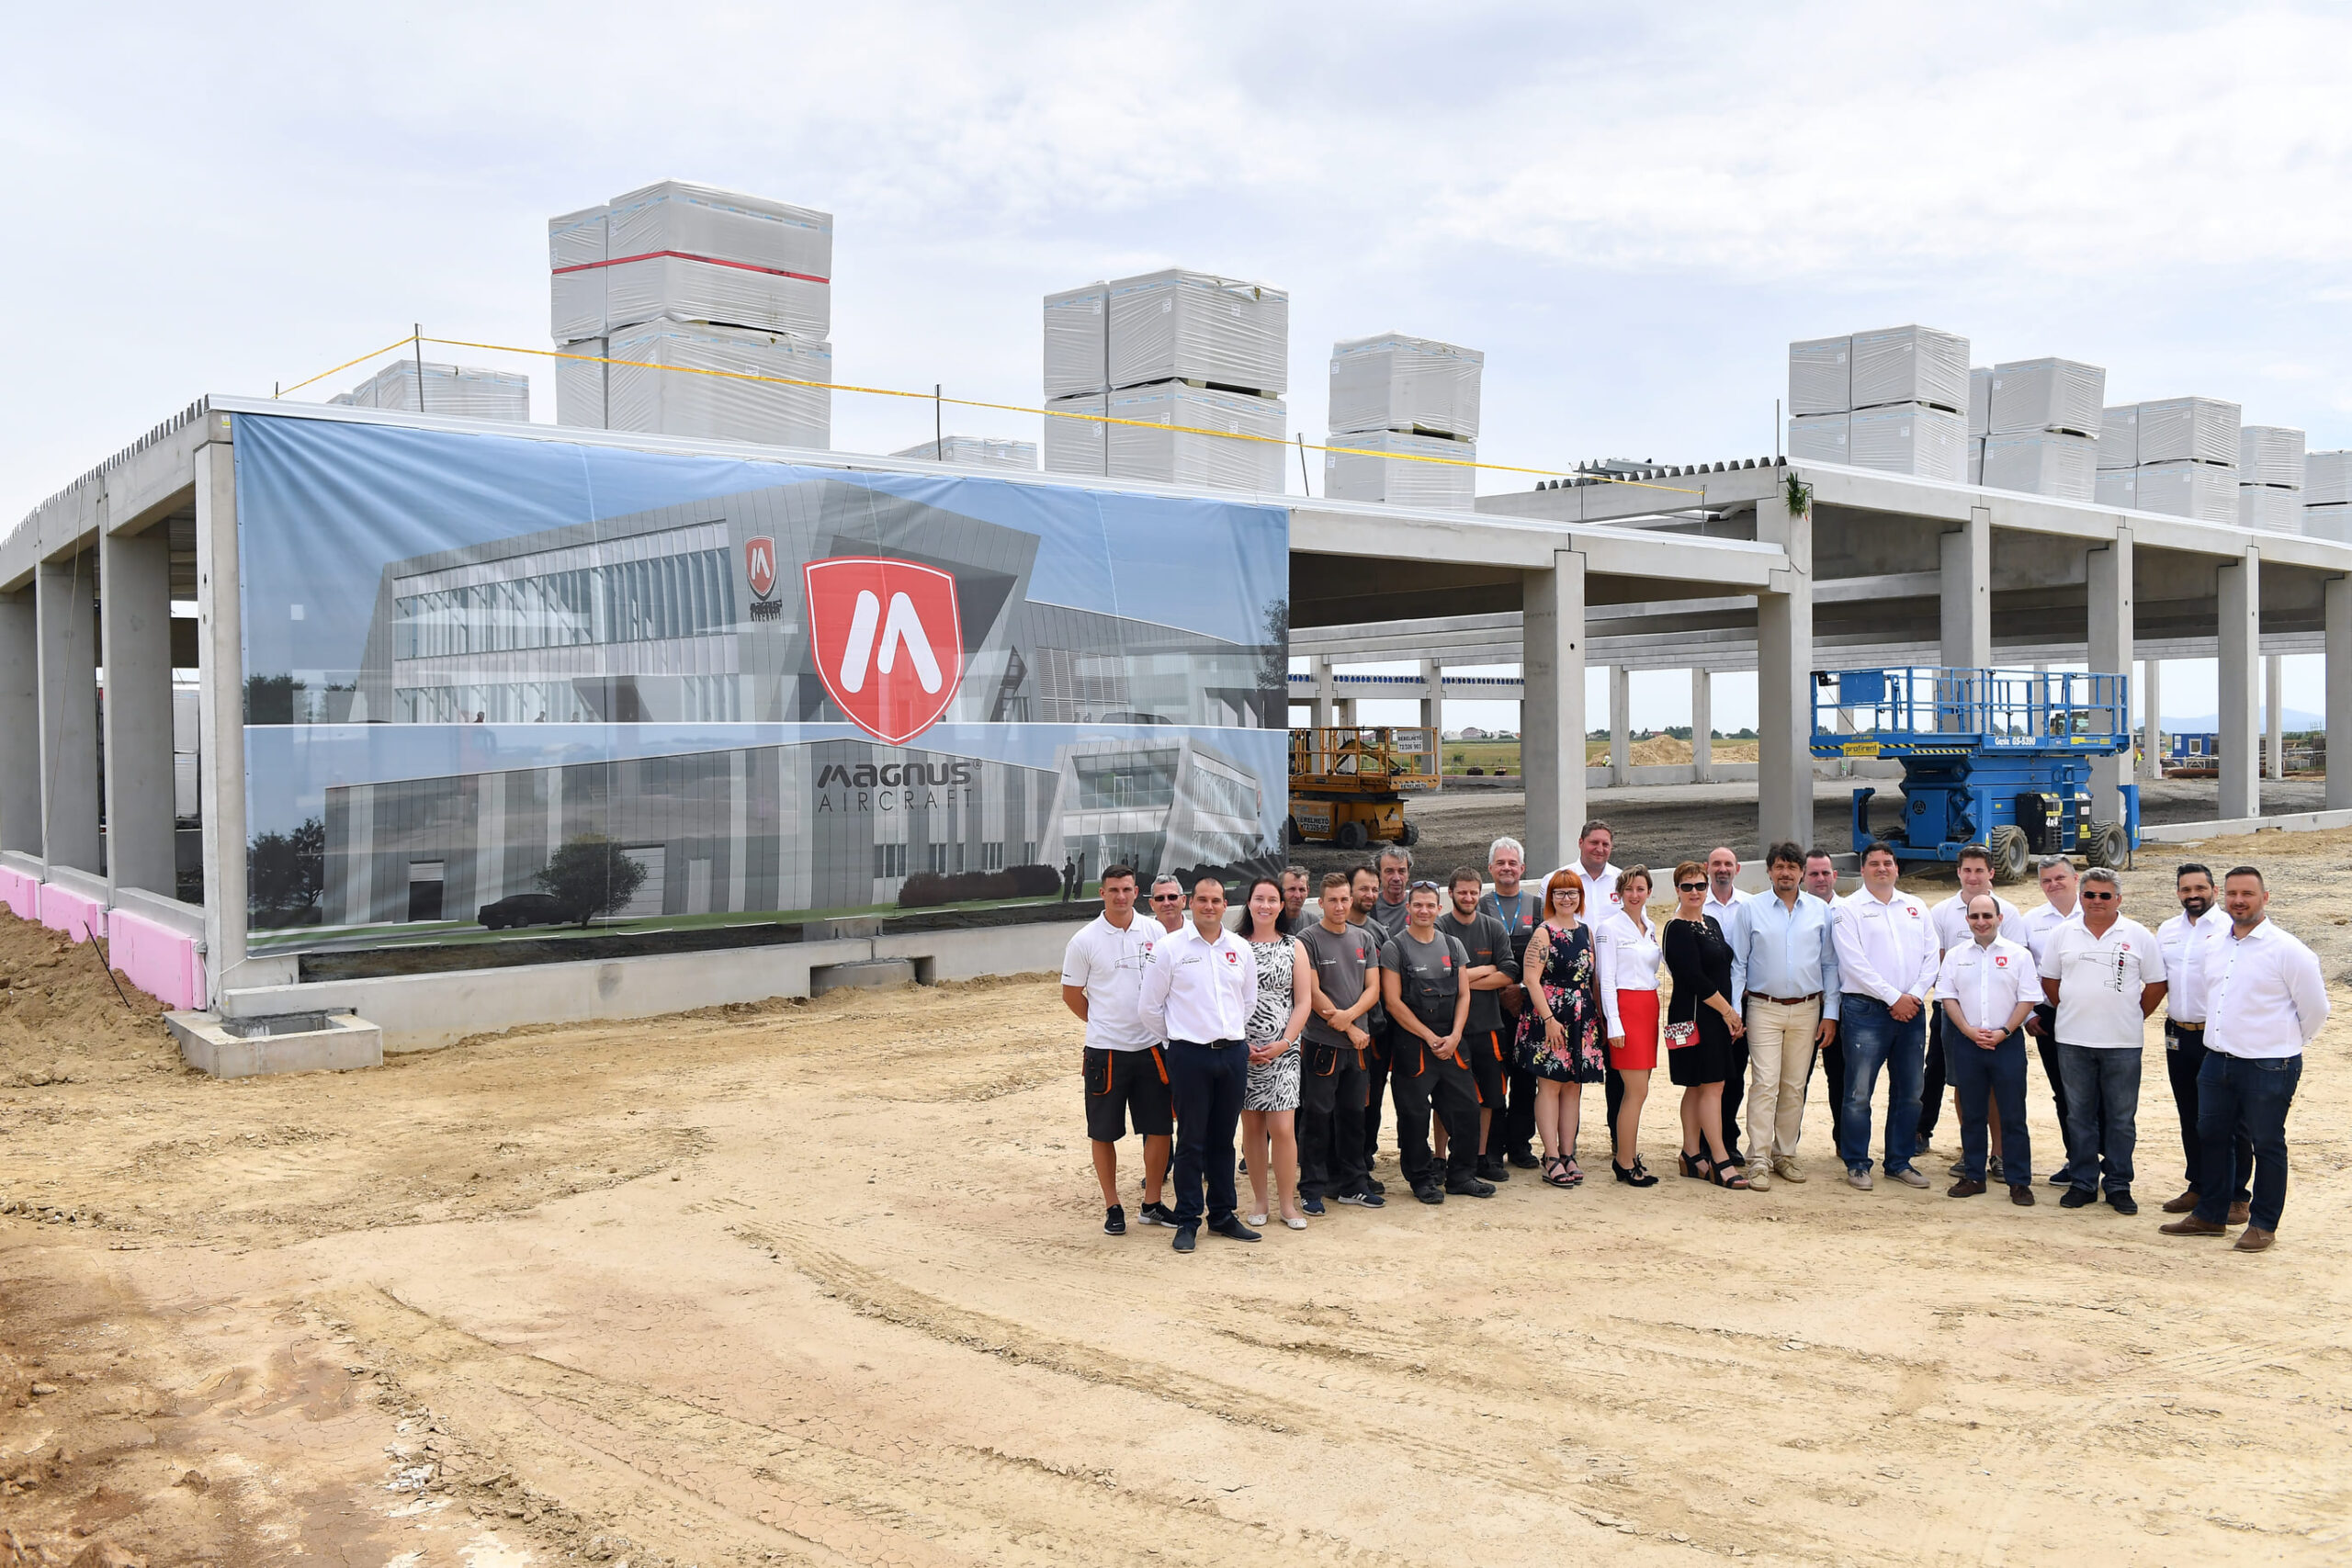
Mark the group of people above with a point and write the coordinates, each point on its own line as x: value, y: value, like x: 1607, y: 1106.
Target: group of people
x: 1481, y: 1008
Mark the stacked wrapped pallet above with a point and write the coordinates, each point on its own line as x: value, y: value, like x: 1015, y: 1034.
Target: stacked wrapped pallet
x: 975, y: 452
x: 1198, y: 357
x: 1404, y: 417
x: 2177, y: 455
x: 457, y: 390
x: 2327, y: 496
x: 2042, y: 422
x: 1894, y: 399
x: 688, y: 311
x: 2270, y: 479
x: 1980, y: 419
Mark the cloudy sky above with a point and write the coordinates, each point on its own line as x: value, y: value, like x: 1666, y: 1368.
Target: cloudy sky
x: 1632, y: 214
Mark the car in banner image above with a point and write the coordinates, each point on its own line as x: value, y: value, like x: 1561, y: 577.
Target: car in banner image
x: 528, y: 909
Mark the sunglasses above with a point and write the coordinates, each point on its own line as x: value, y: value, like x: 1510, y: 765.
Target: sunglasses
x: 1691, y: 886
x: 2101, y: 896
x: 1168, y: 897
x: 1417, y: 886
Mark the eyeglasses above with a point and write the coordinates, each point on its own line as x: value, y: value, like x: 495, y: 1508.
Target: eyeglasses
x: 2101, y: 896
x: 1691, y: 886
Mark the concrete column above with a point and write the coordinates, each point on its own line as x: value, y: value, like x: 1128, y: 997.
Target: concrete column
x: 1343, y: 712
x: 20, y: 718
x: 2339, y: 692
x: 1325, y: 705
x: 2241, y: 666
x: 1967, y: 608
x: 2273, y: 709
x: 2152, y: 706
x: 66, y: 596
x: 2111, y: 650
x: 135, y: 639
x: 1621, y: 725
x: 1784, y: 680
x: 1551, y: 723
x: 1433, y: 697
x: 1703, y: 726
x: 221, y: 707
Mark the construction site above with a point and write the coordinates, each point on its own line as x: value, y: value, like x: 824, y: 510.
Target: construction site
x: 527, y: 1030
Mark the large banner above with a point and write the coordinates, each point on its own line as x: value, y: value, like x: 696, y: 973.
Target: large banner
x: 513, y: 692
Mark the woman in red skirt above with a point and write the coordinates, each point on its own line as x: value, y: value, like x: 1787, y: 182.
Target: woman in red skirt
x: 1627, y: 945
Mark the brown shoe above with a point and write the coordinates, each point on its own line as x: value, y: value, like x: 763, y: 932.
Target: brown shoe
x: 2182, y: 1204
x: 2239, y: 1213
x: 2255, y: 1239
x: 2021, y: 1194
x: 1963, y: 1188
x: 2189, y: 1224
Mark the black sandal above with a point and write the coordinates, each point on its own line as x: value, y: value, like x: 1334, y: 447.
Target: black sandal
x: 1639, y: 1176
x: 1736, y: 1180
x: 1555, y: 1172
x: 1696, y: 1168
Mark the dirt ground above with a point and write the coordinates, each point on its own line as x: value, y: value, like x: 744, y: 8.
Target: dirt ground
x: 824, y: 1283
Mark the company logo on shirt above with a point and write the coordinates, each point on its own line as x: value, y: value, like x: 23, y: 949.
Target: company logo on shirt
x: 2000, y: 961
x: 1233, y: 958
x: 1446, y: 963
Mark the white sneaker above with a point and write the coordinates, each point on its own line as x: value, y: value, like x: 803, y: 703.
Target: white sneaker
x: 1909, y: 1176
x: 1860, y: 1180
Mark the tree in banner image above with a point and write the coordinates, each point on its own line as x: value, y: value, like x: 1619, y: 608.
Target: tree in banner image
x: 286, y: 873
x: 1274, y: 664
x: 592, y: 876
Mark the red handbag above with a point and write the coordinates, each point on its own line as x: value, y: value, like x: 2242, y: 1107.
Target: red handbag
x: 1677, y: 1036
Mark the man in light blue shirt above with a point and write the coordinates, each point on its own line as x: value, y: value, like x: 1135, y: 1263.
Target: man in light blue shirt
x: 1790, y: 1008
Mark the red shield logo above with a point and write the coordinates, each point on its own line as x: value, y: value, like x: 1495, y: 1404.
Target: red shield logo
x: 886, y: 641
x: 759, y: 565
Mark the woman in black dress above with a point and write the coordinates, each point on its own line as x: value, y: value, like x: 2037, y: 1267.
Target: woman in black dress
x: 1700, y: 1027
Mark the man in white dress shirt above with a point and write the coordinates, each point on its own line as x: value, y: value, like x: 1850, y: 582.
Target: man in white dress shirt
x: 2058, y: 888
x: 2184, y: 938
x: 1790, y: 1008
x: 1886, y: 966
x: 1986, y: 988
x: 1594, y: 846
x: 1950, y: 919
x: 1725, y: 902
x: 1197, y: 996
x: 2105, y: 975
x: 1124, y: 1070
x: 2264, y: 1003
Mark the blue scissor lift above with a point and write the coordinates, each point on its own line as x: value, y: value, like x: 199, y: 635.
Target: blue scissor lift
x: 1994, y: 757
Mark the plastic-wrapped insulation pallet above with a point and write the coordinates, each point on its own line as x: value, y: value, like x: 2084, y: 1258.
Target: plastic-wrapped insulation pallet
x: 1821, y: 376
x: 1976, y: 459
x: 2272, y: 509
x: 1076, y: 445
x: 2047, y: 394
x: 1398, y: 481
x: 976, y: 452
x: 1078, y: 340
x: 1910, y: 438
x: 2327, y: 479
x: 1911, y: 365
x: 2330, y: 521
x: 1819, y: 438
x: 1192, y: 326
x: 2189, y: 429
x: 580, y: 384
x: 1980, y: 400
x: 459, y: 390
x: 576, y: 257
x: 1196, y: 454
x: 2054, y: 463
x: 2270, y: 455
x: 681, y: 289
x: 1393, y: 382
x: 673, y: 401
x: 690, y: 252
x: 2206, y: 493
x: 2119, y: 436
x: 723, y: 225
x: 2118, y: 487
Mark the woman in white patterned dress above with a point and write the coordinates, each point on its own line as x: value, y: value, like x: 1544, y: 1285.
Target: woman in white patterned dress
x: 1270, y: 1103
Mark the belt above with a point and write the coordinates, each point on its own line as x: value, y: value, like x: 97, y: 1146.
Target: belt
x: 1784, y: 1001
x: 1209, y: 1045
x: 2186, y: 1027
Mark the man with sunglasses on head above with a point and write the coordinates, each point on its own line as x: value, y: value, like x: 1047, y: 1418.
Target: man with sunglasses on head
x: 2105, y: 975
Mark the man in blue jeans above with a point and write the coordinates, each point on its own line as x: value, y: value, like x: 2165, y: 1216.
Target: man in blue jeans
x: 1886, y: 966
x: 2264, y: 1002
x: 2105, y: 975
x: 1988, y: 987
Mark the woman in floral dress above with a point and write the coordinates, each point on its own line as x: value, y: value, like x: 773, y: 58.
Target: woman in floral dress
x: 1270, y: 1101
x: 1561, y: 1037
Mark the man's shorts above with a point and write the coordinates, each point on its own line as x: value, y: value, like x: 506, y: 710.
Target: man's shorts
x: 1489, y: 1059
x: 1121, y: 1085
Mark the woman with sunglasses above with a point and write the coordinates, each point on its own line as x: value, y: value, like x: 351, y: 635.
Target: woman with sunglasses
x: 1270, y: 1099
x: 1627, y: 946
x: 1560, y: 1033
x: 1700, y: 1027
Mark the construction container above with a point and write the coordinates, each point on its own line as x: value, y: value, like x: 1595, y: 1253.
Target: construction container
x: 2054, y: 463
x: 1194, y: 326
x: 1400, y: 480
x: 2119, y: 436
x: 2270, y: 455
x: 672, y: 399
x: 1911, y: 438
x: 1393, y: 382
x: 1194, y: 442
x: 2189, y: 429
x: 1819, y: 438
x: 976, y: 452
x: 1912, y: 364
x: 2206, y: 493
x: 2047, y: 394
x: 1078, y: 340
x: 1821, y: 376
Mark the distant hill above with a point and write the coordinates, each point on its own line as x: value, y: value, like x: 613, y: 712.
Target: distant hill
x: 2206, y: 722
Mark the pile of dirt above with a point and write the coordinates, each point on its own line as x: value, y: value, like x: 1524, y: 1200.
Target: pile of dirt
x: 62, y: 1018
x: 1666, y: 752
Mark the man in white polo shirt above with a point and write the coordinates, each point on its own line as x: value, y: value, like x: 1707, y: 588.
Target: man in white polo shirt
x: 1987, y: 988
x: 2061, y: 906
x: 2105, y: 975
x: 1952, y: 923
x: 1125, y: 1072
x: 2264, y: 1003
x: 1197, y: 995
x: 1886, y: 966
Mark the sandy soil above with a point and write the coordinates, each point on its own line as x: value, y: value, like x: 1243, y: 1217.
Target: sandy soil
x: 823, y: 1283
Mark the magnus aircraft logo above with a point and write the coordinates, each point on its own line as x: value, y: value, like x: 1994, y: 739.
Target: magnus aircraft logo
x: 887, y: 642
x: 759, y: 569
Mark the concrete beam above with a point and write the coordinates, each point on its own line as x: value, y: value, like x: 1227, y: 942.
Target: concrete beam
x: 2239, y: 637
x: 2339, y: 690
x: 135, y: 634
x: 2109, y: 649
x: 66, y: 595
x: 1551, y: 721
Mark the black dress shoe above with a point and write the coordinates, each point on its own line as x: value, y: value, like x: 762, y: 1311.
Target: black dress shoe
x: 2078, y: 1198
x: 1430, y: 1193
x: 1493, y: 1170
x: 1470, y: 1186
x: 2123, y: 1203
x: 1232, y: 1229
x: 1184, y: 1234
x: 1523, y: 1158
